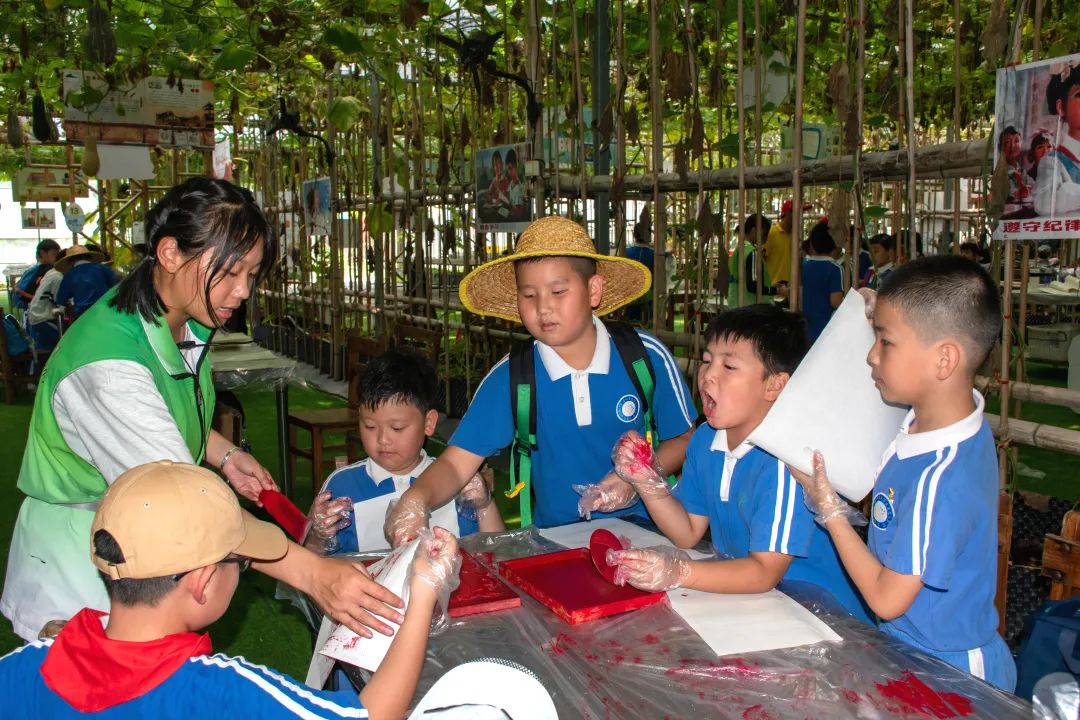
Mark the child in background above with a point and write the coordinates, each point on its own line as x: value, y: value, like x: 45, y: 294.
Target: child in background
x: 822, y: 281
x: 86, y: 278
x: 42, y: 318
x: 883, y: 253
x: 555, y: 283
x: 169, y: 541
x: 745, y: 496
x: 930, y: 568
x: 396, y: 393
x: 47, y: 254
x: 755, y: 229
x: 1057, y: 188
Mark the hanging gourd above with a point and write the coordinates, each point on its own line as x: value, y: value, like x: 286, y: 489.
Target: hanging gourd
x: 14, y: 129
x: 99, y: 42
x: 41, y: 123
x: 91, y: 161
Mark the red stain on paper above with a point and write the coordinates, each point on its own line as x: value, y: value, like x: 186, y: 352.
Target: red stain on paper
x: 851, y: 696
x: 651, y: 639
x: 912, y: 695
x: 757, y: 712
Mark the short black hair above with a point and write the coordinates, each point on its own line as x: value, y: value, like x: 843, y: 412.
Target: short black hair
x: 511, y: 157
x: 901, y: 238
x: 204, y: 215
x: 885, y: 240
x: 778, y: 336
x: 1010, y: 130
x: 972, y: 248
x: 821, y: 240
x: 128, y: 591
x: 47, y: 245
x: 753, y: 221
x: 1058, y: 88
x: 947, y: 296
x: 583, y: 266
x: 398, y: 376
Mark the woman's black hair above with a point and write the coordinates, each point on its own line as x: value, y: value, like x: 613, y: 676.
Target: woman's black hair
x: 204, y: 215
x: 1058, y: 87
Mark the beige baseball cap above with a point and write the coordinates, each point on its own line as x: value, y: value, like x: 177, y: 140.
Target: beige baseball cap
x: 170, y: 518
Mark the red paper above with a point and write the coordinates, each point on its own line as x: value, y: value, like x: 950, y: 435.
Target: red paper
x: 291, y: 518
x: 568, y: 584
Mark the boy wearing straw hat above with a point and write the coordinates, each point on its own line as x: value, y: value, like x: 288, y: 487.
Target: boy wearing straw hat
x: 556, y: 285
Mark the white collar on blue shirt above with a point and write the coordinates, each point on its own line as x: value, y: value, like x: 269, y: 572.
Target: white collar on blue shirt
x: 558, y: 368
x: 378, y: 473
x: 909, y: 445
x: 720, y: 442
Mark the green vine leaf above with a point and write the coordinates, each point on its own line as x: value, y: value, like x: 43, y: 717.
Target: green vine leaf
x: 344, y: 112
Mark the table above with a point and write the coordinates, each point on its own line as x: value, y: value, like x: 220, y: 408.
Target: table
x: 237, y: 362
x: 1043, y: 297
x: 649, y: 664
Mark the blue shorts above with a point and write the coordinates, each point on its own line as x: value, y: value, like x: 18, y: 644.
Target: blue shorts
x: 992, y: 662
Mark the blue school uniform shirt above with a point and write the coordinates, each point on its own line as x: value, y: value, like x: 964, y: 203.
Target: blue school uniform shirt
x: 642, y: 253
x: 580, y: 414
x: 84, y: 284
x: 371, y: 488
x: 820, y: 278
x: 754, y: 505
x: 934, y: 514
x: 206, y: 684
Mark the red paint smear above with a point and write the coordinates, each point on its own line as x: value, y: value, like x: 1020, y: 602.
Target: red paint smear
x: 480, y: 591
x: 851, y: 696
x: 650, y: 639
x: 757, y: 712
x: 637, y: 661
x: 915, y: 696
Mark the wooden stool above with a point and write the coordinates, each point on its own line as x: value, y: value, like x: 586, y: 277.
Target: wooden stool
x: 317, y: 422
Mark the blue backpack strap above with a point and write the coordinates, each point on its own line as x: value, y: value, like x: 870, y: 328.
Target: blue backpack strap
x: 523, y: 411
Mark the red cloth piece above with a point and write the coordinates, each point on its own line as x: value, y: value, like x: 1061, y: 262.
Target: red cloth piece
x: 291, y: 518
x: 92, y: 672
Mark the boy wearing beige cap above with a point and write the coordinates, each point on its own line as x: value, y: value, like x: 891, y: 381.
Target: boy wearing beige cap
x: 170, y: 541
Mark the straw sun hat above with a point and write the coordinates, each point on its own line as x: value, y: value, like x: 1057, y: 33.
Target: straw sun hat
x: 78, y: 252
x: 491, y: 289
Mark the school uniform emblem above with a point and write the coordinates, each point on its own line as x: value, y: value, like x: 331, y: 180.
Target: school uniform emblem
x: 881, y: 511
x: 628, y: 408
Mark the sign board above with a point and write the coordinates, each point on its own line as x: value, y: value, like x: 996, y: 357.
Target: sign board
x: 45, y: 185
x: 152, y: 111
x: 38, y: 218
x: 1034, y: 136
x: 502, y: 202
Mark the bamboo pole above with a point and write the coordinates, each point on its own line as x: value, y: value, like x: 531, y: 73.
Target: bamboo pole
x: 759, y: 64
x: 740, y: 242
x: 620, y: 128
x: 909, y: 85
x: 659, y: 211
x: 794, y: 299
x: 957, y: 19
x: 534, y: 137
x: 579, y: 93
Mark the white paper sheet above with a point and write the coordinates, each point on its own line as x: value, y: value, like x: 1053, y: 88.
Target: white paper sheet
x: 736, y: 624
x: 831, y: 404
x: 578, y: 534
x: 392, y: 572
x: 370, y: 516
x: 125, y: 162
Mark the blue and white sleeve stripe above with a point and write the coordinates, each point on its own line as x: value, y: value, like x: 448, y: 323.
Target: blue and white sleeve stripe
x: 674, y: 375
x: 784, y: 510
x: 279, y: 690
x: 925, y: 495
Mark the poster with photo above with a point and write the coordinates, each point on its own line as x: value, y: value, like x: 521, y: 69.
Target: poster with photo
x: 169, y: 112
x: 316, y: 199
x: 1037, y: 132
x: 38, y: 219
x: 502, y: 198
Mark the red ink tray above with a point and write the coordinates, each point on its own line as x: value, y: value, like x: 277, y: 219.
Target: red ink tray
x: 568, y: 584
x: 480, y: 591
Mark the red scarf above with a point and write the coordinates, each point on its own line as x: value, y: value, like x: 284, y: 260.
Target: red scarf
x: 92, y: 672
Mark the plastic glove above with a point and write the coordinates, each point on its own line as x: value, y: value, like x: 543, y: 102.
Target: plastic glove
x: 436, y: 565
x: 327, y: 518
x: 476, y: 495
x: 636, y: 463
x: 608, y: 495
x: 651, y: 569
x: 404, y: 519
x: 820, y: 497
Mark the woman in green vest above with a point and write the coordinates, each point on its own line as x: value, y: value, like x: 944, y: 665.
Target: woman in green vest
x: 130, y: 383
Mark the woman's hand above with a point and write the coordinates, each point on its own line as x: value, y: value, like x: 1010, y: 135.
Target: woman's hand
x: 347, y: 593
x: 247, y: 476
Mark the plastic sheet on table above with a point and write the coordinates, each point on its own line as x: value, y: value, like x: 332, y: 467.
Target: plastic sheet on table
x: 649, y: 664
